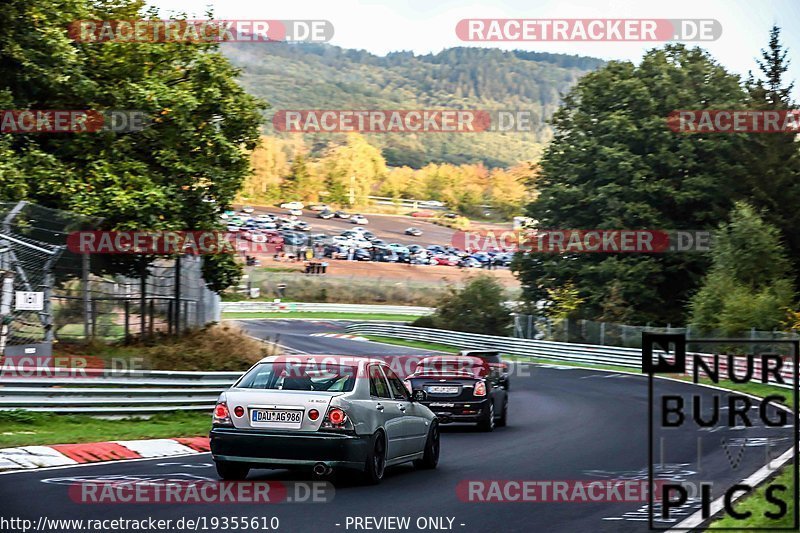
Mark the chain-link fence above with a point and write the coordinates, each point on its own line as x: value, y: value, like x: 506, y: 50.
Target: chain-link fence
x: 611, y: 334
x: 167, y: 297
x: 49, y: 293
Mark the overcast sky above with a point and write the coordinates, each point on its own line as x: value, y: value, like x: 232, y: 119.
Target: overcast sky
x: 382, y: 26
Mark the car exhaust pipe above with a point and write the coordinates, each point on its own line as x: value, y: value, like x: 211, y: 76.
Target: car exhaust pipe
x: 321, y: 469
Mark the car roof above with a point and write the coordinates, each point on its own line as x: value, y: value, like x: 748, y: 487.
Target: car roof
x: 452, y: 358
x: 340, y: 359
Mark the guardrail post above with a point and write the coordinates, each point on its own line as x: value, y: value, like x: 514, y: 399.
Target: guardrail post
x: 152, y: 317
x: 94, y: 318
x: 127, y: 321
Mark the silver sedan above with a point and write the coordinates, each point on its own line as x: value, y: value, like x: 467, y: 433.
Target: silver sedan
x: 322, y: 412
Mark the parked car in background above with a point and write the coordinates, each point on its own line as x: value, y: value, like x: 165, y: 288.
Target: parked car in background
x: 384, y: 254
x: 294, y: 239
x: 302, y: 226
x: 266, y: 225
x: 292, y: 205
x: 359, y: 219
x: 247, y: 209
x: 362, y: 254
x: 342, y: 214
x: 416, y: 232
x: 461, y: 389
x: 325, y: 215
x: 422, y: 214
x: 318, y: 207
x: 432, y: 203
x: 296, y: 212
x: 470, y: 262
x: 398, y: 248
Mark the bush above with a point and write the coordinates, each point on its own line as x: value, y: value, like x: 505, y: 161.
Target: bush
x: 477, y: 308
x: 213, y: 348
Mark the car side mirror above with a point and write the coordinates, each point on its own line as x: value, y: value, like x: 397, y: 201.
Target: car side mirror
x: 419, y: 396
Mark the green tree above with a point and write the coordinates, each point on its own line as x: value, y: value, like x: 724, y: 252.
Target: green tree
x: 614, y: 164
x: 774, y: 159
x: 477, y: 308
x: 297, y: 184
x: 749, y: 284
x: 352, y: 170
x: 196, y: 147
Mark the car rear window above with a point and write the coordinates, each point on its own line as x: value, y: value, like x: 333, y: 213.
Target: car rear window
x: 451, y: 366
x: 300, y: 376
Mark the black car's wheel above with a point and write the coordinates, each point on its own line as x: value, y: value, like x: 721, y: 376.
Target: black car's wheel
x: 376, y: 460
x: 232, y: 471
x: 503, y: 420
x: 432, y: 446
x: 487, y: 424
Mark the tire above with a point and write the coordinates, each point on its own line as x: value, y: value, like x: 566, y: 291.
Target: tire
x: 503, y: 420
x: 375, y: 465
x: 487, y: 424
x: 432, y: 447
x: 232, y: 471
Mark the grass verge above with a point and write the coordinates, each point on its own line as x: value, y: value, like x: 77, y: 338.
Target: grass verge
x: 27, y: 428
x: 322, y: 314
x: 757, y: 504
x: 414, y: 344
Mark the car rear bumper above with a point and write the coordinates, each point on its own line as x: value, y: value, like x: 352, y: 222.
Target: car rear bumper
x: 289, y: 449
x: 458, y: 412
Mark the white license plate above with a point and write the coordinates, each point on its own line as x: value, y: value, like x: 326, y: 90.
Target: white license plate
x: 276, y: 416
x: 443, y: 389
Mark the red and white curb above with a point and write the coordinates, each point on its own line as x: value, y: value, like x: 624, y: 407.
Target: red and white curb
x: 28, y: 457
x: 340, y: 336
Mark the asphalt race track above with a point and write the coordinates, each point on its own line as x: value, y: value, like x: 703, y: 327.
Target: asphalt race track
x: 564, y: 424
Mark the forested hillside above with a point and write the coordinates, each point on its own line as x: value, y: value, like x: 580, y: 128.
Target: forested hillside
x: 329, y: 77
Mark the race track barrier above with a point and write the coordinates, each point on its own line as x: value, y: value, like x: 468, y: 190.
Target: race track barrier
x: 104, y: 392
x: 288, y: 307
x: 547, y: 350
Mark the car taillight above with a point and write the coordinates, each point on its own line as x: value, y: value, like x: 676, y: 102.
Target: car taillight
x: 480, y: 388
x: 337, y: 416
x: 313, y: 414
x: 337, y: 419
x: 222, y: 416
x: 238, y: 411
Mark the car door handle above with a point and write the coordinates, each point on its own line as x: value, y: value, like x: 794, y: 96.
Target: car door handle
x: 402, y: 408
x: 379, y: 407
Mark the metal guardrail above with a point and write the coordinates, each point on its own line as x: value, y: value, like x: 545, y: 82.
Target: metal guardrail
x: 557, y: 351
x: 97, y: 391
x: 548, y: 350
x: 286, y: 307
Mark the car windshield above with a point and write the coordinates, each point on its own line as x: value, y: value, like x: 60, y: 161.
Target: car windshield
x: 301, y: 376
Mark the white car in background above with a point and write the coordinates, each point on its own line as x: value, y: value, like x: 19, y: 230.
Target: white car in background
x: 358, y: 219
x: 398, y: 248
x: 247, y: 209
x: 322, y: 412
x: 292, y: 205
